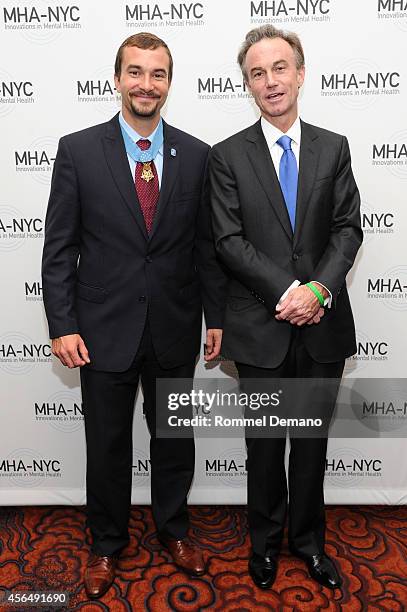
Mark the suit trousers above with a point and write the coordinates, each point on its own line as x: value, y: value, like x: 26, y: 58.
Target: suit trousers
x: 108, y: 400
x: 267, y: 482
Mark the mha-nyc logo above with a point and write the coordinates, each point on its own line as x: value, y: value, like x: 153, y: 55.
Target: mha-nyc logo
x: 384, y: 408
x: 41, y: 17
x: 226, y: 89
x: 390, y: 288
x: 19, y: 354
x: 359, y: 83
x: 16, y: 229
x: 229, y: 468
x: 348, y: 467
x: 221, y: 87
x: 392, y: 154
x: 100, y: 91
x: 62, y: 410
x: 396, y: 10
x: 392, y: 410
x: 27, y: 467
x: 376, y: 223
x: 294, y: 11
x: 14, y: 92
x: 368, y: 350
x: 33, y: 291
x: 159, y: 15
x: 141, y: 468
x: 37, y: 160
x: 32, y: 467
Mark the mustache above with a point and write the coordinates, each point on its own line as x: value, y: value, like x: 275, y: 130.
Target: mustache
x: 137, y: 92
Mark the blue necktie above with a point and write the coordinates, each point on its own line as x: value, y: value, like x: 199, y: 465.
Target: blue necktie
x: 288, y: 175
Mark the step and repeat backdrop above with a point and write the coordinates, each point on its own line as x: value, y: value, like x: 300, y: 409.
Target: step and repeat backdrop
x: 56, y: 77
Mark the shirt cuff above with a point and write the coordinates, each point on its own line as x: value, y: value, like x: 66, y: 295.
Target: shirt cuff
x: 293, y: 285
x: 328, y: 300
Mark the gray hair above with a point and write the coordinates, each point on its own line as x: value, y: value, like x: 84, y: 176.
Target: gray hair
x: 269, y: 31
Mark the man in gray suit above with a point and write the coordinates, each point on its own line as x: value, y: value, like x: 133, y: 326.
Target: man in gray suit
x: 287, y: 226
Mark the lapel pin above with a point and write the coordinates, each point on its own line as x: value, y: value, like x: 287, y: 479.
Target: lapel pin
x: 173, y: 152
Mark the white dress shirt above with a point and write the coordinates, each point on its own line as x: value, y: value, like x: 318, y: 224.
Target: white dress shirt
x: 272, y: 134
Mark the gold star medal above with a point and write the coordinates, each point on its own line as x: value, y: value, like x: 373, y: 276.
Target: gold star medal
x: 146, y: 173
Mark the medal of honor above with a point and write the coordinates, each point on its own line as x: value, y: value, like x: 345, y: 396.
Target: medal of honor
x: 143, y: 156
x: 146, y: 173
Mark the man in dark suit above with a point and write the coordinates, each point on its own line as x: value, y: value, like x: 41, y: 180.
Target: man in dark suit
x: 287, y: 226
x: 128, y: 262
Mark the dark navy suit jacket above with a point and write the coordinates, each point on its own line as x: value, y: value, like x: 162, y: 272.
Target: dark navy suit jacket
x: 103, y: 275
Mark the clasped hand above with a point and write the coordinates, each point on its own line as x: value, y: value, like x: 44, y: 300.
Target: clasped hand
x: 299, y: 307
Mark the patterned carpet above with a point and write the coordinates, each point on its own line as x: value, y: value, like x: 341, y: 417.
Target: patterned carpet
x: 46, y: 549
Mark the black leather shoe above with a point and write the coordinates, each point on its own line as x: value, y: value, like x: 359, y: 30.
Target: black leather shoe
x: 323, y: 570
x: 263, y: 570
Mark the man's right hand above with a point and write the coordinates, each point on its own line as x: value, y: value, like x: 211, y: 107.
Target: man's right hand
x: 70, y: 350
x: 317, y: 317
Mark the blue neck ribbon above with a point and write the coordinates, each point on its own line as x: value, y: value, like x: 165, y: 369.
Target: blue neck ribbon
x: 149, y: 154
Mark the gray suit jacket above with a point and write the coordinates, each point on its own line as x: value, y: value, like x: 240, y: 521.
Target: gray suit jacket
x: 254, y: 240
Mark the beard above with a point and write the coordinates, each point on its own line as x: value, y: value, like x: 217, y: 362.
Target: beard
x: 139, y: 110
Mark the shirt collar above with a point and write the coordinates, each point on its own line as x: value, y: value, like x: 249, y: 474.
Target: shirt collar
x: 272, y: 134
x: 132, y: 132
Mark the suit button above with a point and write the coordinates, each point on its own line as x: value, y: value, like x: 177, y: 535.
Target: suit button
x: 295, y: 256
x: 148, y: 259
x: 142, y: 298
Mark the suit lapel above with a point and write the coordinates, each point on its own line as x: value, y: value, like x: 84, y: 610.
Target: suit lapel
x: 118, y: 163
x: 169, y: 177
x: 259, y: 156
x: 309, y: 158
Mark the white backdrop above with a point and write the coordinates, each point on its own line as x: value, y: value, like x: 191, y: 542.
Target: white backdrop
x: 56, y: 76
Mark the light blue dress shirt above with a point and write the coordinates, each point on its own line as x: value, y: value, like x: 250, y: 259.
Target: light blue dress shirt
x: 159, y: 160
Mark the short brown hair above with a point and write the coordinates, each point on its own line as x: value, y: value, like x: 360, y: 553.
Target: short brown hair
x: 269, y: 31
x: 142, y: 40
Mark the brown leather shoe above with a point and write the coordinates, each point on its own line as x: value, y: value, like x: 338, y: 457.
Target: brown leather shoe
x: 99, y: 575
x: 186, y: 555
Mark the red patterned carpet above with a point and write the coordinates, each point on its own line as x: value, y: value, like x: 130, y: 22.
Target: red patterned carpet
x: 46, y: 549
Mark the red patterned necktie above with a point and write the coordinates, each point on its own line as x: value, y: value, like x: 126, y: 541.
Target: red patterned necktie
x: 147, y: 186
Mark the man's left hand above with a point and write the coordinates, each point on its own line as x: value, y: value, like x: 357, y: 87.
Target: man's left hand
x: 213, y: 343
x: 300, y: 306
